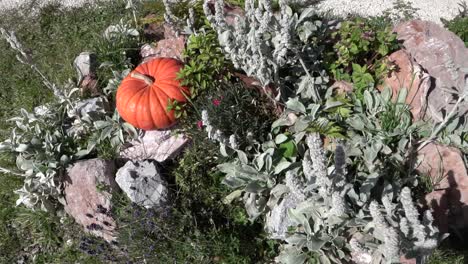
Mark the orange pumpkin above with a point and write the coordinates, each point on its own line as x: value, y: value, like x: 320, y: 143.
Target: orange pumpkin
x: 143, y: 96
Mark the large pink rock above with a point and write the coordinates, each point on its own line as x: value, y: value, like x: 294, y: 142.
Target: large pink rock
x: 409, y: 75
x: 171, y: 46
x: 449, y: 200
x: 442, y: 54
x: 88, y: 188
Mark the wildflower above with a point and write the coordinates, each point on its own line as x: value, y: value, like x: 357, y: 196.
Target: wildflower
x: 216, y: 102
x: 200, y: 124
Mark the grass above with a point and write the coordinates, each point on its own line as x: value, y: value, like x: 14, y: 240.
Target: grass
x: 54, y: 36
x: 448, y: 256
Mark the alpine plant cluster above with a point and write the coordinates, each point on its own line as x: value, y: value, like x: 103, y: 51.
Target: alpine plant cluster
x: 313, y: 206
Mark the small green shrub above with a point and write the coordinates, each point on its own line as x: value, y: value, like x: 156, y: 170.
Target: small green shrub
x: 361, y: 51
x: 205, y: 63
x: 459, y: 24
x: 402, y: 10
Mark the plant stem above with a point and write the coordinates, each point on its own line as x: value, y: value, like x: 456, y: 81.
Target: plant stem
x: 26, y: 59
x: 310, y: 76
x: 8, y: 171
x: 442, y: 125
x: 142, y: 77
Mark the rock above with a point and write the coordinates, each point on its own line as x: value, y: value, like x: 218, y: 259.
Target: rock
x: 443, y: 55
x: 231, y: 12
x: 89, y: 86
x: 159, y: 145
x: 86, y: 65
x: 153, y: 30
x: 87, y: 190
x: 446, y: 169
x: 171, y: 46
x: 410, y: 75
x: 143, y: 184
x: 342, y: 87
x: 147, y: 52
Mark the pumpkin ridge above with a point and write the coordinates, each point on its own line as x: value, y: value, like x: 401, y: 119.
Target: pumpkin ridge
x: 162, y: 66
x: 124, y: 93
x: 158, y: 99
x: 157, y: 88
x: 156, y: 65
x: 174, y: 70
x: 177, y: 89
x: 138, y: 104
x: 132, y: 96
x: 168, y: 114
x: 144, y: 69
x: 153, y: 102
x: 144, y: 110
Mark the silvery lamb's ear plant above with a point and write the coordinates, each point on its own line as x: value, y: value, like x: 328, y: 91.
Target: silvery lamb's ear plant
x: 264, y: 42
x: 48, y: 139
x: 120, y: 30
x: 318, y: 209
x: 259, y: 43
x: 309, y: 208
x: 353, y: 210
x: 381, y: 138
x: 42, y: 147
x: 113, y: 83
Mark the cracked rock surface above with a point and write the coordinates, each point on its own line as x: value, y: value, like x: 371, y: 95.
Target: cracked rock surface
x: 143, y: 184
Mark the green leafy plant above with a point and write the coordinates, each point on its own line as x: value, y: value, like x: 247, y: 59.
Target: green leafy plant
x: 361, y: 51
x: 205, y: 62
x: 362, y: 79
x: 459, y: 24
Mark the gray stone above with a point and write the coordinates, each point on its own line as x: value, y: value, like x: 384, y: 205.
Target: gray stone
x: 143, y: 184
x: 87, y: 188
x: 159, y: 145
x: 85, y: 65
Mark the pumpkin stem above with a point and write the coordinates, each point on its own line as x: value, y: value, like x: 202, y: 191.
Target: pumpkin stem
x: 142, y: 77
